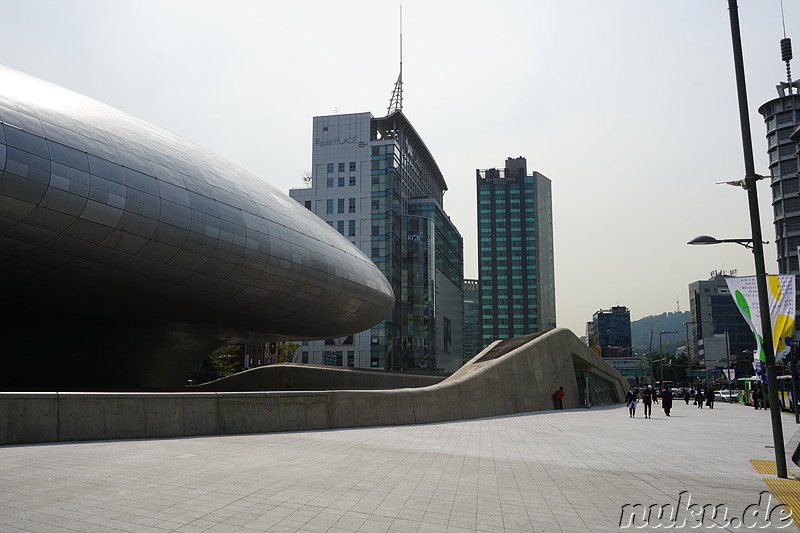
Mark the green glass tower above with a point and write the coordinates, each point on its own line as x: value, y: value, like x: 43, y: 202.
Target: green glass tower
x: 515, y: 251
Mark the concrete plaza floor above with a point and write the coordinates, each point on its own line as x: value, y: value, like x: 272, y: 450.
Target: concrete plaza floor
x: 552, y: 471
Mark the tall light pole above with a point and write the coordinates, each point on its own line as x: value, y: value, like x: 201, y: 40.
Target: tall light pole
x: 749, y: 184
x: 661, y: 352
x: 688, y: 356
x: 727, y: 350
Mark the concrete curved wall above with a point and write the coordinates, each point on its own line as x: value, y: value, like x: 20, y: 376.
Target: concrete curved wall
x: 294, y: 377
x: 509, y: 377
x: 128, y: 253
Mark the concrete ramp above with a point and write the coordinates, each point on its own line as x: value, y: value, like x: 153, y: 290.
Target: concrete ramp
x: 296, y: 377
x: 510, y: 376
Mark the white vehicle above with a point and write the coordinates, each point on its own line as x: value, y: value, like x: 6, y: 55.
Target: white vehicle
x: 728, y: 396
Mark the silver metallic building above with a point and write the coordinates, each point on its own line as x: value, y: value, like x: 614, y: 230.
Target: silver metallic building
x: 127, y: 254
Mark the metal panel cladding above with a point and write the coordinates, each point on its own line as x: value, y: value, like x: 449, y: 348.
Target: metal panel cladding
x: 102, y: 214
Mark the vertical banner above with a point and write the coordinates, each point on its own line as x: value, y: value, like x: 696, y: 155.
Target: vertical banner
x: 780, y: 293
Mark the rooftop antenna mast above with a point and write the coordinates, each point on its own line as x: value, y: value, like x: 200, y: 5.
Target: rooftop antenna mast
x: 396, y: 102
x: 789, y: 86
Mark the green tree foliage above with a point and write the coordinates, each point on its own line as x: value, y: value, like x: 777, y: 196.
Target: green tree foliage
x: 287, y: 352
x: 223, y: 360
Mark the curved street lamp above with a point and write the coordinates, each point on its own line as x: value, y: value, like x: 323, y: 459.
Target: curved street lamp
x: 749, y: 184
x: 707, y: 239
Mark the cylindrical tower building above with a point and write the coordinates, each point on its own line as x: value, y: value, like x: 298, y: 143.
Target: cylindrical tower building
x: 782, y: 116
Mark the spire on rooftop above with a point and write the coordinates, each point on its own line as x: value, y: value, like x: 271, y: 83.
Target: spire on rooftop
x: 396, y: 102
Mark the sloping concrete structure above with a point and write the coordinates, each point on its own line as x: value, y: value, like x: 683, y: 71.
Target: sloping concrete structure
x: 305, y: 377
x: 510, y: 376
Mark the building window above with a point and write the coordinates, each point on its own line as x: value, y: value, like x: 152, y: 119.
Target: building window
x: 329, y: 182
x: 307, y: 204
x: 352, y: 166
x: 341, y: 181
x: 340, y: 205
x: 352, y: 181
x: 304, y: 357
x: 351, y: 228
x: 330, y: 168
x: 340, y: 226
x: 333, y: 358
x: 351, y: 205
x: 341, y: 167
x: 329, y: 206
x: 351, y: 358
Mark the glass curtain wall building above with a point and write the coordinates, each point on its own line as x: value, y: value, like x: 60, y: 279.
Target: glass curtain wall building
x: 375, y: 181
x: 714, y: 313
x: 609, y: 332
x: 473, y: 336
x: 515, y: 251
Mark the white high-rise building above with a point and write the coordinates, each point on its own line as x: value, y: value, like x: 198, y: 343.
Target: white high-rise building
x: 375, y: 181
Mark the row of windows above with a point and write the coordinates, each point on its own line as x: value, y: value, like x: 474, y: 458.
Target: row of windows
x: 341, y: 167
x: 351, y: 206
x: 340, y: 182
x: 335, y: 358
x: 339, y: 225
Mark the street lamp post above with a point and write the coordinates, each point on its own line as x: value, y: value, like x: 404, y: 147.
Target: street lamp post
x: 661, y: 369
x: 661, y: 352
x: 727, y: 348
x: 749, y: 183
x: 688, y: 354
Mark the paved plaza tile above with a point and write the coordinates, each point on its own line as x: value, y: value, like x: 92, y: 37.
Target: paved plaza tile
x: 552, y: 471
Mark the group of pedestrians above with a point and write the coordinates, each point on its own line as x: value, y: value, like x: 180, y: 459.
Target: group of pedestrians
x: 700, y: 398
x: 649, y: 397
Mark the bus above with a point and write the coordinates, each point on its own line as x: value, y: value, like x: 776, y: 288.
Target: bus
x: 785, y: 395
x: 746, y: 388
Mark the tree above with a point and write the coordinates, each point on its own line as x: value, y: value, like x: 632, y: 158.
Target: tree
x: 223, y: 360
x: 287, y: 352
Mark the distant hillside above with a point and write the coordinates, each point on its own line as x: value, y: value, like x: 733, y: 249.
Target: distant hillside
x: 640, y: 331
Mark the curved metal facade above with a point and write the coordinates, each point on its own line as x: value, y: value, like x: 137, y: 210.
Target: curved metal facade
x: 127, y: 248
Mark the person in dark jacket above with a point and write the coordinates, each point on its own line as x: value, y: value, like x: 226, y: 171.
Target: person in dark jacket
x: 666, y: 400
x: 757, y: 397
x: 687, y: 395
x: 710, y: 398
x: 698, y: 399
x: 631, y: 399
x: 648, y: 397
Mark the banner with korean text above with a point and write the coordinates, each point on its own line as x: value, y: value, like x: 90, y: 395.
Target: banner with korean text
x: 780, y: 293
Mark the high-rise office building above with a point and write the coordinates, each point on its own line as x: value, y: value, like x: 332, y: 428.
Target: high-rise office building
x: 609, y: 332
x: 473, y: 336
x: 375, y: 181
x: 719, y: 334
x: 515, y: 251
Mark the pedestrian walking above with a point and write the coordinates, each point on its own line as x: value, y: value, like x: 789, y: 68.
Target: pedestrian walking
x: 558, y: 398
x: 687, y: 395
x: 631, y: 399
x: 698, y: 399
x: 648, y: 397
x: 710, y: 398
x: 666, y: 400
x: 757, y: 397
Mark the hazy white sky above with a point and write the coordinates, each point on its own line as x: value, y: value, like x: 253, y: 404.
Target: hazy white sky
x: 628, y: 106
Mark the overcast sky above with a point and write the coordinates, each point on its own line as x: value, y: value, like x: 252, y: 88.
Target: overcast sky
x: 628, y: 106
